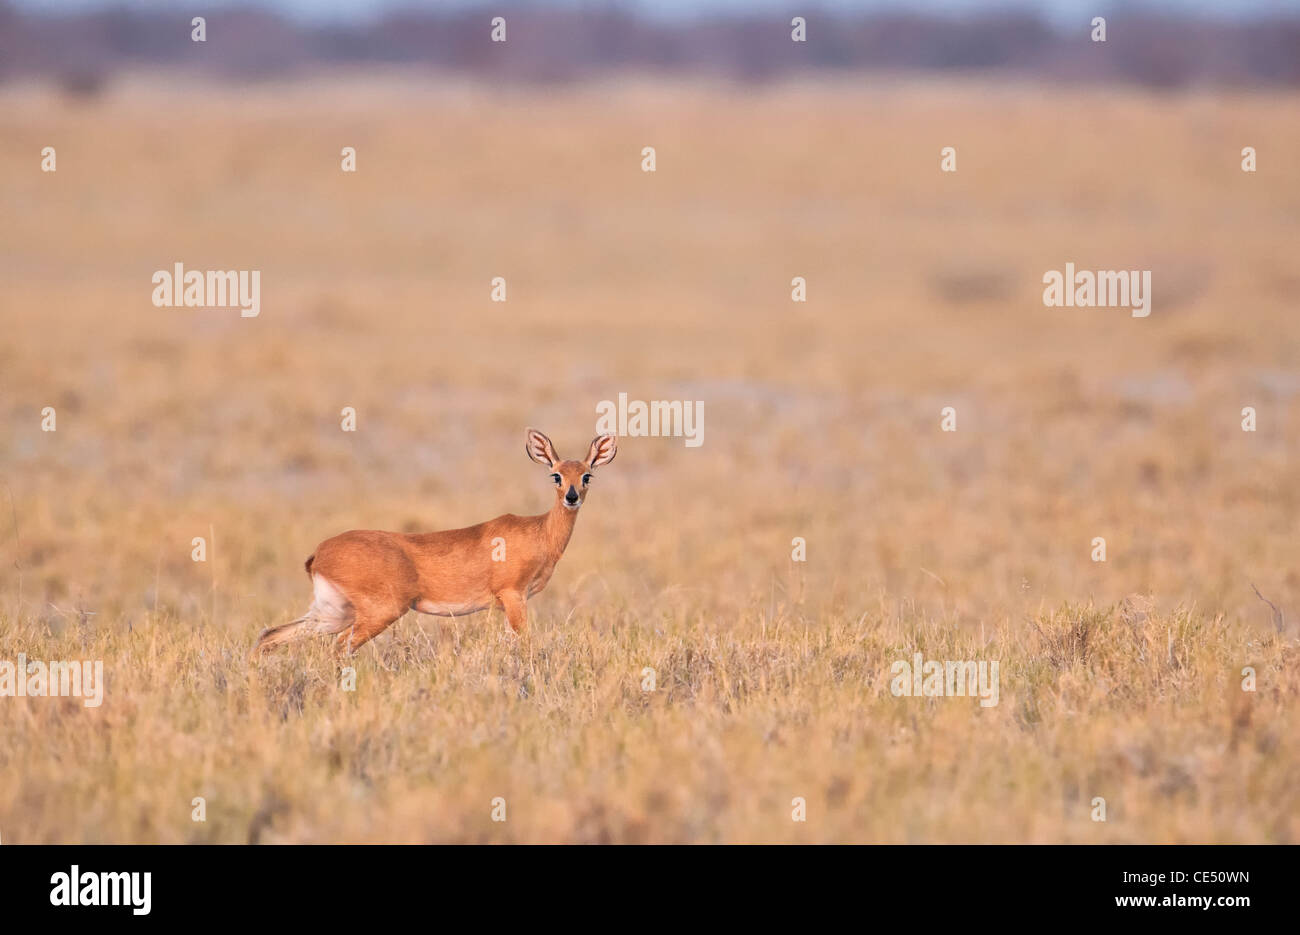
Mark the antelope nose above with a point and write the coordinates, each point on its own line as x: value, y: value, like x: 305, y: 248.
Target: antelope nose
x: 572, y: 495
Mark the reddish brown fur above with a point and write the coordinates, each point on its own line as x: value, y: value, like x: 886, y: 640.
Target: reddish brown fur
x: 385, y: 574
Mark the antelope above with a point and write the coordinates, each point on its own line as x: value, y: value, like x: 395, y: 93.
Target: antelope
x: 363, y: 581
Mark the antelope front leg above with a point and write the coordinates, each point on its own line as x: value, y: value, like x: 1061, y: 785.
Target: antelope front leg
x: 516, y: 611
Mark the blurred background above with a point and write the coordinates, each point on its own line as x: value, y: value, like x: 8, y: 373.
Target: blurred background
x: 775, y: 159
x: 1168, y: 43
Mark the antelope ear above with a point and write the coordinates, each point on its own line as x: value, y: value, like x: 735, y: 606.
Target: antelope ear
x: 602, y: 451
x: 540, y: 449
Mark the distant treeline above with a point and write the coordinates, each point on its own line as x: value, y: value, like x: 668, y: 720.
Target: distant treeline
x: 562, y: 44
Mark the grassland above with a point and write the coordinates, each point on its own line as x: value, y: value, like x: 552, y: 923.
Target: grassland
x: 1119, y: 679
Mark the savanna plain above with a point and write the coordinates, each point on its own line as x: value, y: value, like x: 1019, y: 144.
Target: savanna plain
x: 1120, y: 680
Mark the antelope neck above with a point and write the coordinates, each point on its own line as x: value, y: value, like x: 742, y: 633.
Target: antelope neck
x: 559, y: 526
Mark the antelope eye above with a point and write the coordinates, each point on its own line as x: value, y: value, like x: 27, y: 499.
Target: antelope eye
x: 556, y: 478
x: 586, y: 479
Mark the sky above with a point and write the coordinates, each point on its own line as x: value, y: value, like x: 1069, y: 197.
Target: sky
x: 1059, y: 11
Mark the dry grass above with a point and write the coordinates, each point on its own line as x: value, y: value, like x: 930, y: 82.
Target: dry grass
x: 1119, y: 680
